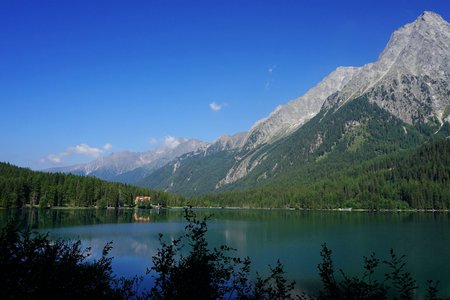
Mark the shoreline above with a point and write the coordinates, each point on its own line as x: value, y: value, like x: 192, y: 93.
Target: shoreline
x: 323, y: 209
x: 243, y: 208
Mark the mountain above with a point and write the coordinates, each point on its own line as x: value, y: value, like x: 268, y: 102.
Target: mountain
x: 227, y: 142
x: 131, y: 166
x: 287, y: 118
x: 412, y: 75
x: 229, y: 155
x: 354, y: 114
x: 208, y: 167
x: 417, y: 178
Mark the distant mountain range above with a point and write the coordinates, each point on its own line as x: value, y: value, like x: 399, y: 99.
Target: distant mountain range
x: 128, y: 166
x: 355, y: 113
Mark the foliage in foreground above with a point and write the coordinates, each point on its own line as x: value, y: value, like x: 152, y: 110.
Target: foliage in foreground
x: 397, y: 282
x: 33, y: 266
x: 210, y: 274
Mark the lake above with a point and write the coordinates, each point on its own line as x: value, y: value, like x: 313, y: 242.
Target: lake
x: 294, y: 237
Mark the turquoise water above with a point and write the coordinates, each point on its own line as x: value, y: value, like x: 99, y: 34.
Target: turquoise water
x: 294, y: 237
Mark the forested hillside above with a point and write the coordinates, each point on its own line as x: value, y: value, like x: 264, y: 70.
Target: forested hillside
x: 20, y: 186
x: 333, y: 141
x: 417, y: 178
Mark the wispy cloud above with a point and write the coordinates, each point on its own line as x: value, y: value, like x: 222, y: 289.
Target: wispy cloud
x: 107, y: 147
x: 269, y: 81
x: 171, y: 142
x: 152, y: 141
x: 81, y: 149
x: 54, y: 159
x: 272, y: 68
x: 216, y: 106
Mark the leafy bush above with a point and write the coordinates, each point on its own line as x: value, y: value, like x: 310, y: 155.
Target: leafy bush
x: 34, y: 267
x: 397, y: 284
x: 210, y: 274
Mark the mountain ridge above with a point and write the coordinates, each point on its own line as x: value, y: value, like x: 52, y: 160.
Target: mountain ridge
x: 409, y: 83
x: 118, y: 163
x: 416, y: 54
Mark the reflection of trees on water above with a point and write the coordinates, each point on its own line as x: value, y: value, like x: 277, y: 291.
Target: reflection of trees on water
x: 54, y: 218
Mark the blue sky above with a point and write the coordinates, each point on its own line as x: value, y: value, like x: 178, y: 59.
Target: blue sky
x: 81, y: 79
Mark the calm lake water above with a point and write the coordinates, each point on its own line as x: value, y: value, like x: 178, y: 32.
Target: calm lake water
x: 294, y: 237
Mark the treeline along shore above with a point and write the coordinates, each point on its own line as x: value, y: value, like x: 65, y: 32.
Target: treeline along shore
x: 418, y: 179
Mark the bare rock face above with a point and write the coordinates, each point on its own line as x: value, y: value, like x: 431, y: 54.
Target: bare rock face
x: 227, y: 142
x: 286, y: 118
x: 412, y: 75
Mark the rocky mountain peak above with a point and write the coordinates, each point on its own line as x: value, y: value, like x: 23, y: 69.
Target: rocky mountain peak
x: 420, y: 47
x: 430, y: 17
x: 411, y: 77
x: 226, y: 142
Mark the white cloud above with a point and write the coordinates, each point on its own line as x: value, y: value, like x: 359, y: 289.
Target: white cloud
x: 85, y: 149
x: 171, y: 142
x: 54, y: 159
x: 107, y: 146
x: 81, y: 149
x: 153, y: 141
x: 216, y: 106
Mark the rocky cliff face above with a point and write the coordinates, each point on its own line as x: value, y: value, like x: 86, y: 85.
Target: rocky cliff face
x: 286, y: 118
x: 226, y: 142
x: 412, y: 75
